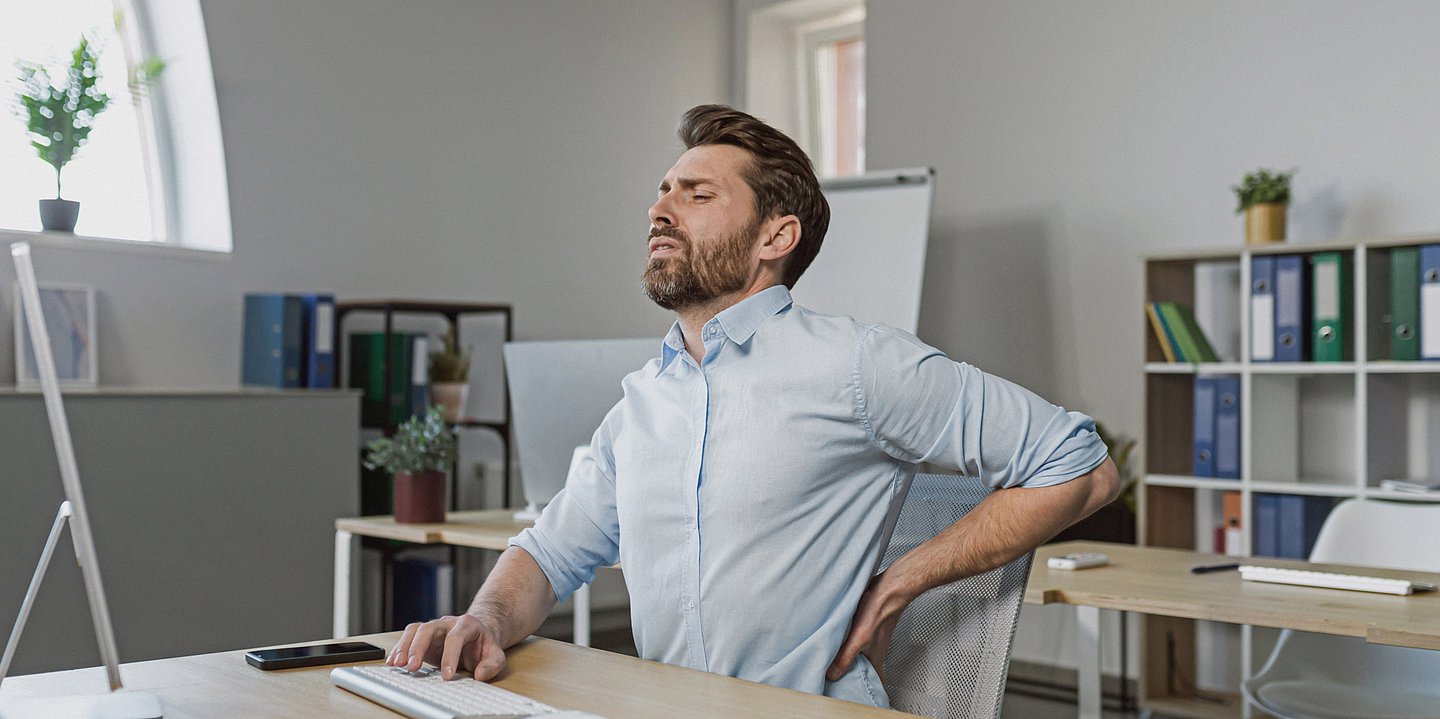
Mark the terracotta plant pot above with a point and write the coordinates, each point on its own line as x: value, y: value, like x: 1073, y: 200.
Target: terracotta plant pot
x: 1265, y: 223
x: 452, y: 396
x: 420, y: 497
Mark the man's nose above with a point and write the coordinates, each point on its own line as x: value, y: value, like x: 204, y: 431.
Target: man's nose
x: 661, y: 214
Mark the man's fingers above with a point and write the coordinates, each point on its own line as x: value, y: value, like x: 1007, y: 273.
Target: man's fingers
x: 855, y: 641
x: 421, y: 644
x: 492, y: 659
x: 400, y: 653
x: 455, y: 640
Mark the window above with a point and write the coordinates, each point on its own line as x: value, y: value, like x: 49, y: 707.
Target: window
x: 834, y: 57
x: 141, y: 176
x: 805, y: 74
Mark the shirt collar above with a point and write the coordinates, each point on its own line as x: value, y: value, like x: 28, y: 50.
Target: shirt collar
x: 739, y: 321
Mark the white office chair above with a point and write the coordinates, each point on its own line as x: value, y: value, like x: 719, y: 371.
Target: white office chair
x: 1317, y: 676
x: 950, y: 652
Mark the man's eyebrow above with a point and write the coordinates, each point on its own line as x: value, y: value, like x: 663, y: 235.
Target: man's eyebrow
x: 688, y: 183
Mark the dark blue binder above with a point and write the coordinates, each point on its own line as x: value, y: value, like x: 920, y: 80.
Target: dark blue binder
x: 1262, y: 309
x: 1227, y: 427
x: 1299, y: 523
x: 272, y: 340
x: 1430, y: 302
x: 1290, y: 303
x: 319, y: 341
x: 422, y: 590
x: 1265, y: 539
x: 1203, y: 456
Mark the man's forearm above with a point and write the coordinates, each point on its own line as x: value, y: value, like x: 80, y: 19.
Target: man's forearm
x: 1004, y: 526
x: 515, y: 598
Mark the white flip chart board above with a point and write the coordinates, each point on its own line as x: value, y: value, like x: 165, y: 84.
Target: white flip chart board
x: 873, y: 259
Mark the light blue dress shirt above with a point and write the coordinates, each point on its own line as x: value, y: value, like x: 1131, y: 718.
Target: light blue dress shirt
x: 750, y: 496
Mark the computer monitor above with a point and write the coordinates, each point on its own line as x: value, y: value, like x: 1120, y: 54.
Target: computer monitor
x: 559, y: 393
x: 72, y: 511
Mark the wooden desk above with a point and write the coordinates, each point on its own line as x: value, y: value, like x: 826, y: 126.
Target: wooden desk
x: 1158, y: 581
x: 487, y: 529
x: 560, y: 674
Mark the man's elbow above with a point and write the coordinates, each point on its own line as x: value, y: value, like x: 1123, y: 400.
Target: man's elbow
x: 1104, y: 487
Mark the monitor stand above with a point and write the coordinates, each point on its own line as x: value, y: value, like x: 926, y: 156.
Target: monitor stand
x: 123, y: 704
x: 115, y: 705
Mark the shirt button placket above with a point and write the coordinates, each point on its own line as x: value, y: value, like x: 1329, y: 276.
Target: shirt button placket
x: 689, y: 601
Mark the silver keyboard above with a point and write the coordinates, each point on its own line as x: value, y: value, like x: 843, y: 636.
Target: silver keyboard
x: 424, y: 695
x: 1329, y: 580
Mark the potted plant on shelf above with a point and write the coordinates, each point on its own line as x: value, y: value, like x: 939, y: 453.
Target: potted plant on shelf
x: 60, y: 117
x: 1263, y: 197
x: 418, y: 456
x: 450, y: 375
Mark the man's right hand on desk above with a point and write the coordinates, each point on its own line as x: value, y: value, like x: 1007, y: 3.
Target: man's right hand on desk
x: 463, y: 643
x: 509, y: 607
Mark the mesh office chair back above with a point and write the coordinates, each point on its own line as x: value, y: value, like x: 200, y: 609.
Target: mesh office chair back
x: 951, y: 650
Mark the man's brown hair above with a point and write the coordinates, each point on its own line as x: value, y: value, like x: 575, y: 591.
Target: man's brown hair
x: 779, y: 174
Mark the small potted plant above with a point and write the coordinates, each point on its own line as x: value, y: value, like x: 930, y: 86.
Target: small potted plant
x: 418, y: 457
x: 1263, y: 197
x: 60, y: 117
x: 449, y: 377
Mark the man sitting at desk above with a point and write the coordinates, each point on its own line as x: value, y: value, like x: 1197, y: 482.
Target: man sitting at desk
x: 746, y: 476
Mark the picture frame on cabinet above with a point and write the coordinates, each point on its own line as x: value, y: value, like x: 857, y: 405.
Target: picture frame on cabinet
x: 70, y: 316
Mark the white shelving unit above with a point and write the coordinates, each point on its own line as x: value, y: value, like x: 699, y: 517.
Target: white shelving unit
x: 1326, y: 429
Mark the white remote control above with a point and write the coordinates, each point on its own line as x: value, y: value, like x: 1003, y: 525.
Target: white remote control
x: 1082, y: 560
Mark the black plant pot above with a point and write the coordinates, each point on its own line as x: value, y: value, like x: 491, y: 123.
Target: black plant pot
x: 59, y: 215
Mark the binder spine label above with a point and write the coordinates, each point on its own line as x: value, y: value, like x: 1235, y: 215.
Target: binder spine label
x: 1430, y: 302
x: 1262, y: 309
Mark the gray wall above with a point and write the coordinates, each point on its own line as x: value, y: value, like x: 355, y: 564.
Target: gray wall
x: 490, y: 151
x: 1071, y: 138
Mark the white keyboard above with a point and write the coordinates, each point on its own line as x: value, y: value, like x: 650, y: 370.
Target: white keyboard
x: 1382, y: 585
x: 424, y: 695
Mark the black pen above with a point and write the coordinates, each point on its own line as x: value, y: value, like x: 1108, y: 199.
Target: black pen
x: 1208, y: 568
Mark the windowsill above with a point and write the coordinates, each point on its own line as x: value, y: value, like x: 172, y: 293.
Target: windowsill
x: 71, y: 241
x: 7, y: 391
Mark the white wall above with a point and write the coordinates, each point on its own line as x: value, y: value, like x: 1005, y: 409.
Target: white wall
x: 449, y: 149
x: 1071, y: 138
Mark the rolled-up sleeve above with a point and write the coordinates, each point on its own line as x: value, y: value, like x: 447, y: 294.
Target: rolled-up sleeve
x: 579, y: 531
x: 920, y: 406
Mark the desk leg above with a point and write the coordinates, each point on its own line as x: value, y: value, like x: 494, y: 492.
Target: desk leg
x: 1087, y: 660
x: 341, y: 623
x: 582, y: 616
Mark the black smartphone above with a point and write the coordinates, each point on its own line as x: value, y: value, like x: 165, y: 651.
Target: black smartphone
x: 314, y: 655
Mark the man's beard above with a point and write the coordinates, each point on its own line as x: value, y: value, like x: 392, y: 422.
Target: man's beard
x: 700, y: 272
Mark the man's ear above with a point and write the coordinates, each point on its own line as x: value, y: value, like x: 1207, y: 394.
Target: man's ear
x: 782, y: 236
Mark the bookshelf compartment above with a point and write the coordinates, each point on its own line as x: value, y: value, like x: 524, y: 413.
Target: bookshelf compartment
x: 1303, y: 428
x: 1286, y: 525
x: 1211, y: 290
x: 1169, y: 443
x: 1380, y: 287
x: 1403, y: 441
